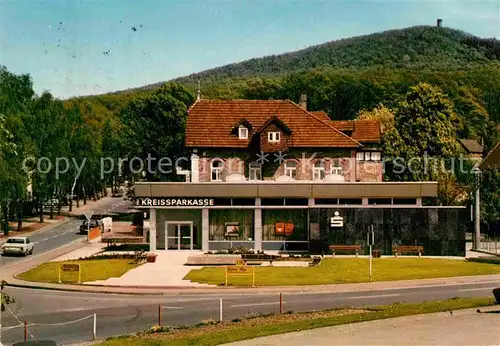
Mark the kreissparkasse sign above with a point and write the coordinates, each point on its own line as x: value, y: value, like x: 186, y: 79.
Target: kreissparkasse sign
x: 174, y: 202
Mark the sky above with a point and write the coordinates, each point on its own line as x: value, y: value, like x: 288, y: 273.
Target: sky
x: 78, y: 47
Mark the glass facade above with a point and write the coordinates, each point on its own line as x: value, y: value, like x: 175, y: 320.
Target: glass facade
x: 441, y: 231
x: 231, y: 224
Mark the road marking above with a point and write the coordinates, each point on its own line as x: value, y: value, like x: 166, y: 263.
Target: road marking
x: 255, y: 304
x: 476, y: 289
x: 44, y: 239
x: 375, y: 296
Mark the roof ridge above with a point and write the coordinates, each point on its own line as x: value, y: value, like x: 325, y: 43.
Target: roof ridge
x: 194, y: 104
x: 324, y: 122
x: 244, y: 100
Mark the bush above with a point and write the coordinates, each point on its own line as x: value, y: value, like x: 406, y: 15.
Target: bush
x: 485, y: 260
x: 240, y: 251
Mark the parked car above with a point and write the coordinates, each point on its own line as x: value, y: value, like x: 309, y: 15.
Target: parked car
x: 54, y: 202
x: 18, y: 245
x: 84, y: 227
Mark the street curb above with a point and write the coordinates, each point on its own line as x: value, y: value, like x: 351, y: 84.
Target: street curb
x: 183, y: 290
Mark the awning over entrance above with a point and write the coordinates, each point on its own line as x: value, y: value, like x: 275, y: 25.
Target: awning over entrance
x: 295, y: 189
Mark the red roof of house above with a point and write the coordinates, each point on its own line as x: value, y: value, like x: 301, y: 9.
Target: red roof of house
x: 321, y: 115
x: 364, y: 131
x: 211, y: 123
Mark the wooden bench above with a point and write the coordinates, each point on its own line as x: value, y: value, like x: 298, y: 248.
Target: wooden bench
x: 316, y: 261
x: 397, y: 250
x: 345, y: 248
x: 259, y: 257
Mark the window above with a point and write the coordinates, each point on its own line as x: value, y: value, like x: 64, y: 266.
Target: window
x: 242, y: 132
x: 376, y: 156
x: 255, y: 171
x: 216, y: 170
x: 291, y: 169
x: 319, y: 170
x: 368, y: 156
x: 273, y: 137
x: 336, y: 168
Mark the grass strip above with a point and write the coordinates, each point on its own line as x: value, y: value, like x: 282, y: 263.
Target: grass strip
x: 348, y: 270
x: 212, y: 333
x: 91, y: 270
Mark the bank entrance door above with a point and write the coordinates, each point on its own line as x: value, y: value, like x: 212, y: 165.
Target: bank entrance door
x: 179, y: 235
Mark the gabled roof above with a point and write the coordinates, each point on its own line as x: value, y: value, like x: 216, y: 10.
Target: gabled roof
x: 210, y: 122
x: 242, y: 122
x: 364, y: 131
x: 492, y: 160
x: 472, y: 146
x: 320, y: 115
x: 275, y: 120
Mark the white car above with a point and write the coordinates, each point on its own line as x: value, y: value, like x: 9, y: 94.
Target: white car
x: 18, y: 245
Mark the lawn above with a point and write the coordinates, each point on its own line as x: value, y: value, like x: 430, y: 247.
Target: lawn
x: 213, y: 333
x: 347, y: 270
x: 92, y: 270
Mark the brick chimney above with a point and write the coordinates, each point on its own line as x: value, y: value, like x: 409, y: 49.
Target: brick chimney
x: 303, y: 101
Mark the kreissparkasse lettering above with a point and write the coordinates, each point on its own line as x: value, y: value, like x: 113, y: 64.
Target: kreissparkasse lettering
x: 173, y: 202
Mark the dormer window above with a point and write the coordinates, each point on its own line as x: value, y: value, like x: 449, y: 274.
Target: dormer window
x: 273, y: 137
x: 242, y: 132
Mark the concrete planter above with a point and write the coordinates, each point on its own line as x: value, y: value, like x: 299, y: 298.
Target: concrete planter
x: 150, y: 258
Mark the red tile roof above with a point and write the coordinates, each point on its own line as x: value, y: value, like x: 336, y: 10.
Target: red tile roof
x: 210, y: 123
x: 321, y: 115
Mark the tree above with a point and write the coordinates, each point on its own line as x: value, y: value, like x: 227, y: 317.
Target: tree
x: 15, y: 96
x: 382, y: 114
x: 427, y: 122
x: 490, y: 199
x: 154, y: 125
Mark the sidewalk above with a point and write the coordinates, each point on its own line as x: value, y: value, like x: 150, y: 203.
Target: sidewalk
x: 463, y: 327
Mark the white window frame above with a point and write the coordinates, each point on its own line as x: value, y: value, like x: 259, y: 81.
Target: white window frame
x: 319, y: 170
x: 291, y: 171
x: 242, y: 132
x: 360, y: 156
x: 378, y: 156
x: 254, y: 171
x: 216, y: 170
x: 336, y: 168
x: 273, y: 137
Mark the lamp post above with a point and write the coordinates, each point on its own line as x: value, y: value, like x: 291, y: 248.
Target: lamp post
x: 477, y: 209
x: 2, y: 307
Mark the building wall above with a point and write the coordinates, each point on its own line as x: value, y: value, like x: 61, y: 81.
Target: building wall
x: 369, y: 171
x: 237, y: 163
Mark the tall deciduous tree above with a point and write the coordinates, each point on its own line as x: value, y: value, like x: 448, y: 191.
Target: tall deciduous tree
x: 154, y: 125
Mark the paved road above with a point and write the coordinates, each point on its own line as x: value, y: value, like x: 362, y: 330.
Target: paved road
x: 122, y: 314
x: 49, y: 239
x: 67, y: 232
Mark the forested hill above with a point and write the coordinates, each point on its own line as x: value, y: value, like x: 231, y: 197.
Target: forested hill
x: 420, y: 46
